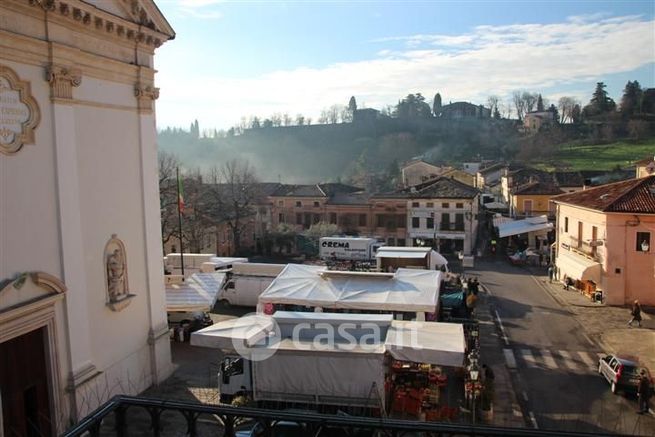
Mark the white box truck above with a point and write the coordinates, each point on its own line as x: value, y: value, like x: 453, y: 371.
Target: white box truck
x: 245, y: 282
x: 348, y: 248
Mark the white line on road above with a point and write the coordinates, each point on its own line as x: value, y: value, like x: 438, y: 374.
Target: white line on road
x: 587, y: 359
x: 528, y: 357
x: 568, y: 360
x: 588, y: 339
x: 502, y: 329
x: 509, y: 358
x: 533, y: 420
x: 548, y: 359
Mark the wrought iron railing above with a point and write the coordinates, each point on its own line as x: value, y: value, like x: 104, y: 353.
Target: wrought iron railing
x: 229, y: 416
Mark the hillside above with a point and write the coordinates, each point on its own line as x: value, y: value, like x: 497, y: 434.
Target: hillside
x: 599, y: 156
x: 307, y: 154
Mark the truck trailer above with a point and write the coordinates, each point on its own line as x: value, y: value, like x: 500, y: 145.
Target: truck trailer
x: 348, y: 248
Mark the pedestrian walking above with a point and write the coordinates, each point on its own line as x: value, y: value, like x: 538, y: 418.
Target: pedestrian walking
x: 550, y: 273
x: 636, y: 314
x: 644, y: 392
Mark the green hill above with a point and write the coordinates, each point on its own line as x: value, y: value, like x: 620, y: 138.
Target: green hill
x: 600, y: 156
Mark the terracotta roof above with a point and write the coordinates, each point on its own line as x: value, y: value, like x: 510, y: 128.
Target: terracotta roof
x: 645, y: 161
x: 313, y: 190
x: 537, y: 188
x: 439, y: 188
x: 631, y: 196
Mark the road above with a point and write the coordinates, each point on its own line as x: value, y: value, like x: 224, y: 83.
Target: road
x: 553, y: 362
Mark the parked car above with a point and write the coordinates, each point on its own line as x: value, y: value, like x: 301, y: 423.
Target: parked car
x: 622, y: 373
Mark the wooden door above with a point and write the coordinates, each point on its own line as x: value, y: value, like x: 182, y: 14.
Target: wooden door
x: 24, y: 385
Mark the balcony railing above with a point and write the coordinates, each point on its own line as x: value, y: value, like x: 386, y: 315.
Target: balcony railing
x: 588, y: 249
x: 112, y: 418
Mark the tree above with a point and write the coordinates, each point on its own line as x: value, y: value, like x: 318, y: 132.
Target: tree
x: 576, y: 114
x: 637, y: 129
x: 254, y: 123
x: 600, y: 102
x: 232, y: 196
x: 524, y: 102
x: 267, y: 123
x: 436, y: 105
x: 276, y: 119
x: 286, y: 119
x: 552, y: 108
x: 540, y: 103
x: 321, y: 229
x: 168, y: 165
x: 352, y: 105
x: 413, y: 106
x: 300, y: 120
x: 565, y: 106
x: 492, y: 103
x: 632, y: 98
x: 194, y: 130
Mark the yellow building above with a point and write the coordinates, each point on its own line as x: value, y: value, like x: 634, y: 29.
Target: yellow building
x: 533, y: 199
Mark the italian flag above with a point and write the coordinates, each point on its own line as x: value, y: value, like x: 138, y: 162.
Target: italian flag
x: 180, y: 193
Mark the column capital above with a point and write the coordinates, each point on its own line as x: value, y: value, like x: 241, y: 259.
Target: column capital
x: 62, y: 79
x: 145, y: 94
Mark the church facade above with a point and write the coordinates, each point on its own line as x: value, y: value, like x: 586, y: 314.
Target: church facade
x: 82, y: 311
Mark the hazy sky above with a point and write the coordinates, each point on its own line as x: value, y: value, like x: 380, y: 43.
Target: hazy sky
x: 240, y: 58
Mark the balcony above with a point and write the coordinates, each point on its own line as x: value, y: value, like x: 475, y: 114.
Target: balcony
x: 586, y: 248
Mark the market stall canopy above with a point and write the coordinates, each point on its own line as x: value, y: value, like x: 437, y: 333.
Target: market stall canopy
x: 197, y: 293
x: 406, y: 290
x: 246, y: 331
x: 577, y: 267
x: 532, y: 224
x: 427, y: 342
x: 411, y: 252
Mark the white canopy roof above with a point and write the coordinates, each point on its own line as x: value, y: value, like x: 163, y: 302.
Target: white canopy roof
x: 577, y: 267
x: 427, y: 342
x: 419, y: 342
x: 407, y: 290
x: 517, y: 227
x: 197, y: 293
x: 247, y: 331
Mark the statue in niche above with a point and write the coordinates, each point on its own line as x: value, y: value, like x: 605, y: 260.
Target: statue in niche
x: 116, y: 275
x: 118, y: 292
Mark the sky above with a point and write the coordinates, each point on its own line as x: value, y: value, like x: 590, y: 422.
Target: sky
x: 234, y: 59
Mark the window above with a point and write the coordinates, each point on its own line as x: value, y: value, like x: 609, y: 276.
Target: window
x: 566, y: 224
x: 298, y: 203
x: 430, y: 223
x: 298, y: 218
x: 643, y: 242
x: 362, y: 220
x: 401, y: 221
x: 280, y: 218
x: 416, y: 222
x: 527, y: 207
x: 316, y: 204
x: 415, y: 204
x: 381, y: 222
x: 445, y: 221
x: 459, y: 205
x: 316, y: 218
x: 459, y: 222
x: 390, y: 241
x: 445, y: 205
x: 594, y: 237
x: 333, y: 218
x: 173, y: 249
x: 400, y: 205
x: 429, y: 205
x: 280, y: 203
x: 579, y: 235
x: 401, y: 242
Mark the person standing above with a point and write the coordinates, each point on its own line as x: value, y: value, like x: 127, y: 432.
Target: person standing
x: 643, y: 392
x: 636, y: 314
x: 550, y: 273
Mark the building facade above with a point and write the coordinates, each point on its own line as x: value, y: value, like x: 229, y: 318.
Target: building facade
x: 605, y: 234
x: 81, y: 278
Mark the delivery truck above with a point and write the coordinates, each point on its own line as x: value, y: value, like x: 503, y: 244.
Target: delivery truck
x: 246, y: 281
x: 348, y: 248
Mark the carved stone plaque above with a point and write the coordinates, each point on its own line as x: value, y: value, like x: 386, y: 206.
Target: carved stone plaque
x: 19, y: 112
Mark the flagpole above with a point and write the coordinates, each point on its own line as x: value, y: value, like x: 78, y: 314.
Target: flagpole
x: 179, y: 219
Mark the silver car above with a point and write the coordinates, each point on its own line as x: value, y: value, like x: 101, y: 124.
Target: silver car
x: 622, y: 373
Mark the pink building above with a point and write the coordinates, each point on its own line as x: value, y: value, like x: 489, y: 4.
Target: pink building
x: 606, y: 235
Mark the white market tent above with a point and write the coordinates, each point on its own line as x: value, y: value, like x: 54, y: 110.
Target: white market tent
x: 407, y: 290
x: 516, y: 227
x: 421, y: 342
x: 427, y: 342
x: 197, y: 293
x: 246, y: 331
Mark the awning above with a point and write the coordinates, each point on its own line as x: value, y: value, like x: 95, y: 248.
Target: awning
x: 442, y: 344
x: 401, y: 252
x: 242, y: 332
x: 517, y: 227
x: 198, y: 293
x: 577, y: 267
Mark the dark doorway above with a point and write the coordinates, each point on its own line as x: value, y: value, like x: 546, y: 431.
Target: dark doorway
x: 24, y: 385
